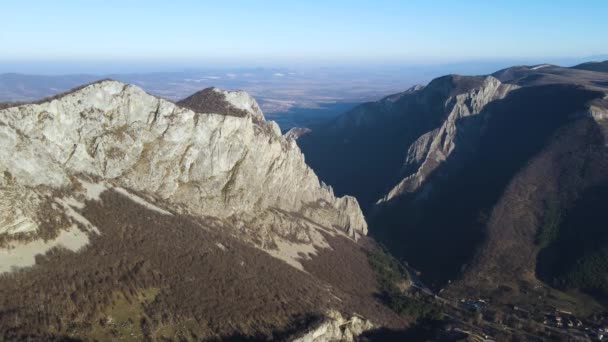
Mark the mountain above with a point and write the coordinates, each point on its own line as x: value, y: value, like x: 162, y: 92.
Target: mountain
x: 593, y: 66
x: 488, y: 183
x: 123, y: 215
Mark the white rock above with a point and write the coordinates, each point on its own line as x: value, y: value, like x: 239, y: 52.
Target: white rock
x: 242, y: 100
x: 336, y: 328
x: 233, y: 168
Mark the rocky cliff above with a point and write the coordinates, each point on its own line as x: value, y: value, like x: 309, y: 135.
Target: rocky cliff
x: 213, y: 162
x: 435, y: 147
x: 196, y: 220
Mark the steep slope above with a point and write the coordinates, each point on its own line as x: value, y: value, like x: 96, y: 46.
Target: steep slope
x: 144, y: 218
x: 431, y: 149
x: 537, y: 213
x: 370, y: 141
x: 200, y: 163
x: 442, y: 162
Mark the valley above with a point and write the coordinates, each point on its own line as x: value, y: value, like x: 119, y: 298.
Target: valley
x: 480, y: 183
x: 304, y: 171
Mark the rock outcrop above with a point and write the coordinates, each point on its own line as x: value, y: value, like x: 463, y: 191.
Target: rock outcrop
x: 232, y: 103
x: 334, y: 327
x: 434, y: 147
x: 222, y: 161
x: 297, y: 132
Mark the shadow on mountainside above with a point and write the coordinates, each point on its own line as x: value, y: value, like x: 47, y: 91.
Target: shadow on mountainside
x: 439, y: 227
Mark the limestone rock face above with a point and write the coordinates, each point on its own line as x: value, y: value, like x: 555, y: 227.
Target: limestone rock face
x: 598, y: 111
x: 336, y: 328
x: 434, y: 147
x: 226, y: 162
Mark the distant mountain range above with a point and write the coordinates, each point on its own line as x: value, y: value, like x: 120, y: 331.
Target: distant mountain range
x: 277, y: 90
x: 486, y: 183
x: 298, y: 96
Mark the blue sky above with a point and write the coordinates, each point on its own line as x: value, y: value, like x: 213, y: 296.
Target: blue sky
x: 307, y: 31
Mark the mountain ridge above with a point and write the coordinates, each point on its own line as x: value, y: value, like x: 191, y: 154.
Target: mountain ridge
x: 123, y: 196
x: 86, y: 155
x: 593, y: 66
x: 453, y: 147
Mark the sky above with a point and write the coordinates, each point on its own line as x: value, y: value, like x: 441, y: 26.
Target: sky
x: 270, y: 32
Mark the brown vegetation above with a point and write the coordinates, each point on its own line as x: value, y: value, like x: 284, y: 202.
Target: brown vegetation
x: 574, y: 160
x: 205, y: 292
x: 171, y: 277
x: 346, y: 269
x: 210, y: 101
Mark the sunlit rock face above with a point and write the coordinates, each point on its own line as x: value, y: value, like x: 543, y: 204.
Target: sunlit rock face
x: 227, y: 162
x: 335, y: 327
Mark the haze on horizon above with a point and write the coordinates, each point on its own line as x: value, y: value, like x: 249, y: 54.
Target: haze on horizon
x: 97, y: 36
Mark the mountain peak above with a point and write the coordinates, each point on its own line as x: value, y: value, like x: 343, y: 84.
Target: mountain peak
x: 204, y: 163
x: 451, y: 85
x: 232, y: 103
